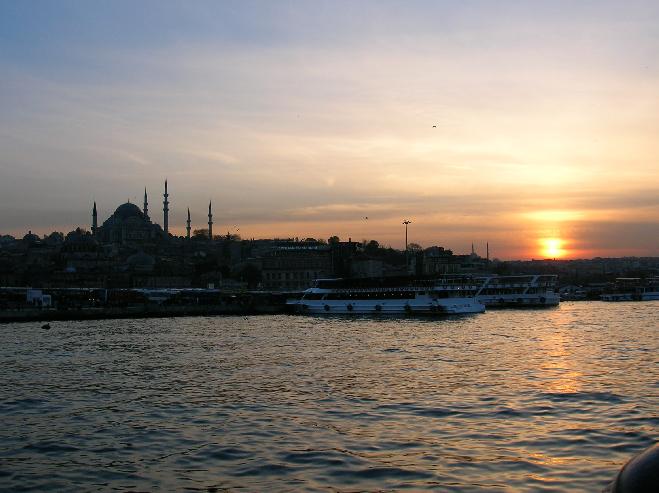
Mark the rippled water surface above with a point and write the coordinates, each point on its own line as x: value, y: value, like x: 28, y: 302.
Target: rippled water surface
x: 537, y: 400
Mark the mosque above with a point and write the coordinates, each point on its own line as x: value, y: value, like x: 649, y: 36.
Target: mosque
x: 129, y: 224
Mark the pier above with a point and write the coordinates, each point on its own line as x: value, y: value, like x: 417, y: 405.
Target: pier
x: 98, y: 304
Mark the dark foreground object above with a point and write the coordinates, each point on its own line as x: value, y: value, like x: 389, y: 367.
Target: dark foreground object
x: 236, y: 305
x: 639, y: 475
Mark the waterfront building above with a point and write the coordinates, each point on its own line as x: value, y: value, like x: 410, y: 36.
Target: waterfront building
x: 294, y: 266
x: 438, y: 261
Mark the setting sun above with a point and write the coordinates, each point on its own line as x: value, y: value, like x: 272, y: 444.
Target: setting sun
x: 552, y: 247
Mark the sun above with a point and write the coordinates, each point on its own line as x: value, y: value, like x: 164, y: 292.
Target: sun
x: 552, y: 247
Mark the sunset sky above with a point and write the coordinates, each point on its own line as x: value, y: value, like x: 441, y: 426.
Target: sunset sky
x: 533, y: 126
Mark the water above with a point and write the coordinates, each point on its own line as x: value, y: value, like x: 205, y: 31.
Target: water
x: 537, y: 400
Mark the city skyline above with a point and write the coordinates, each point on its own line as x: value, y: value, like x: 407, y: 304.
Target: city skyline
x: 531, y: 127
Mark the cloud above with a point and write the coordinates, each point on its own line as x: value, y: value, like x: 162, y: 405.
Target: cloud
x: 311, y: 117
x: 614, y: 238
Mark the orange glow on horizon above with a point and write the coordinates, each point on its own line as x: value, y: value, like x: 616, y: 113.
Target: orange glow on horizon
x: 552, y: 247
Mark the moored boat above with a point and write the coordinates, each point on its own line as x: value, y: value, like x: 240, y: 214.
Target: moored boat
x: 633, y: 289
x: 524, y: 291
x: 388, y: 296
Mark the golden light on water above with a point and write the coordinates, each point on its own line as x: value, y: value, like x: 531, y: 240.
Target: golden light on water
x: 552, y: 247
x: 561, y: 371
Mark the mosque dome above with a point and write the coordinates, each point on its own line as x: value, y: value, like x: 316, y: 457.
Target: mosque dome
x: 31, y: 237
x: 124, y: 211
x: 79, y: 241
x: 79, y: 236
x: 130, y: 224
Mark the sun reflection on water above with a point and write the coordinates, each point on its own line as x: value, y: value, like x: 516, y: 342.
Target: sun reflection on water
x: 560, y: 365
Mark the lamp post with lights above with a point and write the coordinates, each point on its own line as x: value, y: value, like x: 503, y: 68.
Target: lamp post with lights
x: 407, y: 263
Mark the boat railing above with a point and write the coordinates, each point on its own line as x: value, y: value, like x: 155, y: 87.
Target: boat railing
x: 375, y: 290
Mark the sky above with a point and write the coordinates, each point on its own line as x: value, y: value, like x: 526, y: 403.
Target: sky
x: 531, y: 126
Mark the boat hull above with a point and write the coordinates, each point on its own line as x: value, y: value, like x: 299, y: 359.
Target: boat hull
x: 389, y: 307
x: 647, y: 296
x: 520, y: 300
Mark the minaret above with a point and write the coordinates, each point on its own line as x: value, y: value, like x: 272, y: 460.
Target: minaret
x: 187, y: 228
x: 146, y: 205
x: 210, y: 221
x: 165, y: 210
x: 94, y: 220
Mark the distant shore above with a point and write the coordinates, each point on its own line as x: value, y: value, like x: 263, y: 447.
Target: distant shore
x: 140, y: 311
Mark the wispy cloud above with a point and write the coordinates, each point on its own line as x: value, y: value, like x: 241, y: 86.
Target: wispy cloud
x: 501, y: 121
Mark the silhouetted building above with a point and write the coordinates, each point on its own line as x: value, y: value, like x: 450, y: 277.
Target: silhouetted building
x: 210, y: 222
x: 145, y: 210
x: 94, y: 220
x: 165, y: 211
x: 437, y: 261
x: 127, y: 225
x: 294, y: 266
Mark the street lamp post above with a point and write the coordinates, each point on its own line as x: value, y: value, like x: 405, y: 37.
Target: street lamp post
x: 406, y: 222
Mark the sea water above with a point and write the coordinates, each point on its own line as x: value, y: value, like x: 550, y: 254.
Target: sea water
x: 521, y: 400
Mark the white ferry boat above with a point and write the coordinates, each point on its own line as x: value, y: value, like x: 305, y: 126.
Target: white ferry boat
x: 634, y: 289
x: 506, y: 291
x: 385, y: 296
